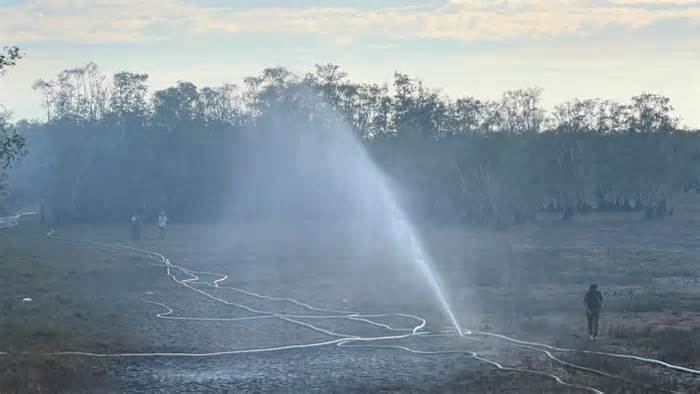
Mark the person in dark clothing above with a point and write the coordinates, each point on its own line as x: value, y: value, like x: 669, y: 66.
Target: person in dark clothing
x: 594, y: 303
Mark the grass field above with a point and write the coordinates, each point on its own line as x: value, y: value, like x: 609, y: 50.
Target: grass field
x: 527, y: 282
x: 79, y: 300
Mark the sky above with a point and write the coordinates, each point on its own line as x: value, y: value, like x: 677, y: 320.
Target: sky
x: 612, y: 49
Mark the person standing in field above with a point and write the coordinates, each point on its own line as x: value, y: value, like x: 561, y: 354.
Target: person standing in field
x: 594, y: 303
x: 135, y: 226
x: 162, y: 223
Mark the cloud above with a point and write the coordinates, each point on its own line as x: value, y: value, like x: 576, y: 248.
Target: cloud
x: 126, y: 21
x: 471, y: 19
x: 688, y: 3
x: 90, y: 21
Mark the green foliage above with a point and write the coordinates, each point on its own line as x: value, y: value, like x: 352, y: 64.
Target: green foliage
x: 11, y: 143
x: 9, y: 57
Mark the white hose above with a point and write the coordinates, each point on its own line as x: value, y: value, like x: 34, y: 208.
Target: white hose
x: 13, y: 221
x: 342, y: 340
x: 618, y: 355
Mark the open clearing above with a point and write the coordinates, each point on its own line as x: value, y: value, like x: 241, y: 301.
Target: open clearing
x: 527, y: 283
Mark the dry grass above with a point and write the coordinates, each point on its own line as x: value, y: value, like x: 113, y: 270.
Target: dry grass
x: 679, y: 345
x: 34, y: 374
x: 67, y: 312
x: 528, y: 281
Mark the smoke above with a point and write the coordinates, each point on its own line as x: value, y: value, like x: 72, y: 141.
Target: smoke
x: 316, y: 187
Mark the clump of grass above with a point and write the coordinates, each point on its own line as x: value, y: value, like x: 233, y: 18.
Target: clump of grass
x: 672, y: 344
x: 680, y: 346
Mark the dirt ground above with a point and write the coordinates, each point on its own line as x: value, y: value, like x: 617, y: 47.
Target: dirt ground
x: 527, y: 283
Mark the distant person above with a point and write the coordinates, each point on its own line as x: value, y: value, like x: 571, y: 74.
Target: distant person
x: 162, y: 223
x: 594, y: 303
x: 135, y: 227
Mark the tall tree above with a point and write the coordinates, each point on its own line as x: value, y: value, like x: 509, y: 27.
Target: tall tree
x: 77, y: 94
x: 128, y: 96
x: 652, y: 113
x: 521, y: 111
x: 177, y: 106
x: 47, y: 90
x: 220, y: 105
x: 577, y: 116
x: 11, y: 143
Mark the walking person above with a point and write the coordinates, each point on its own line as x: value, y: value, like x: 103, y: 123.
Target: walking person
x: 594, y: 303
x: 162, y: 223
x: 135, y: 226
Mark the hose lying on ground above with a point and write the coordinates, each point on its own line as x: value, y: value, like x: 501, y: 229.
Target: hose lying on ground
x: 341, y: 339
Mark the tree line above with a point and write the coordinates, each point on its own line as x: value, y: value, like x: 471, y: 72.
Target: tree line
x: 109, y: 146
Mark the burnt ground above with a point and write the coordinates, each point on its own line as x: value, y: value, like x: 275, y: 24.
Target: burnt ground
x: 527, y: 282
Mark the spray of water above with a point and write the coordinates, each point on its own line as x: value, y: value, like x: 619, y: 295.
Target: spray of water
x: 366, y: 177
x: 327, y: 169
x: 405, y: 234
x: 424, y: 267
